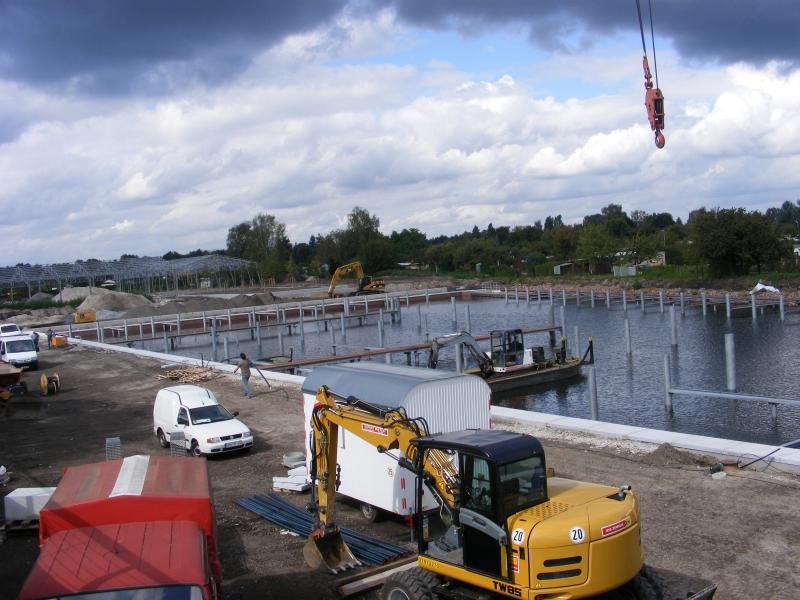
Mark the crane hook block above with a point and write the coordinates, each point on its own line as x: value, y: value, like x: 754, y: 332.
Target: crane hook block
x: 654, y: 102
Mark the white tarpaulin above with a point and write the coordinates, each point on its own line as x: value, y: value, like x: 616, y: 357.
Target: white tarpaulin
x: 760, y: 287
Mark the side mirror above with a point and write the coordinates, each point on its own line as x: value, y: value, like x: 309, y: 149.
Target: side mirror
x: 236, y: 413
x: 183, y: 421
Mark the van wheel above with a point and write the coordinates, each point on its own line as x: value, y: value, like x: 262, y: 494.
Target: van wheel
x: 195, y: 450
x: 162, y: 439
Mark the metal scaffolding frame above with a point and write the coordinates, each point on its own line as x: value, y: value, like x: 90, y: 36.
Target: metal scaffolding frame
x: 146, y: 273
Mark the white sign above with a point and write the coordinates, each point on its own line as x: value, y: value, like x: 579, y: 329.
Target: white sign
x: 518, y: 536
x: 577, y: 535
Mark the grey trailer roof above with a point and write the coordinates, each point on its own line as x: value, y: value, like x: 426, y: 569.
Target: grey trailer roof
x: 380, y: 383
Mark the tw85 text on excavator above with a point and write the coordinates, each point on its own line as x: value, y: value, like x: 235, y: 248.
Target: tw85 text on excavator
x: 504, y: 527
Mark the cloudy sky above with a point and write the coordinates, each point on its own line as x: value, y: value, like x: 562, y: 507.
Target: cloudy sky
x: 142, y: 126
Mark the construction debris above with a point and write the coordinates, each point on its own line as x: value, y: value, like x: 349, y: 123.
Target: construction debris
x: 189, y: 374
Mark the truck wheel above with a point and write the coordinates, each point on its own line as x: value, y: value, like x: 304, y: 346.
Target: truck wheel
x: 370, y: 513
x: 414, y: 584
x: 195, y: 449
x: 162, y: 439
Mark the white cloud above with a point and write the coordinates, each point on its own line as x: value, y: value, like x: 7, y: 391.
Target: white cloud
x: 425, y: 146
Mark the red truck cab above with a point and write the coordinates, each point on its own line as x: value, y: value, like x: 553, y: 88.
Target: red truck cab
x: 140, y: 527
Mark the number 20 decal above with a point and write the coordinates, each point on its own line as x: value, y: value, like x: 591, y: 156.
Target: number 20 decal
x: 518, y: 536
x: 576, y: 535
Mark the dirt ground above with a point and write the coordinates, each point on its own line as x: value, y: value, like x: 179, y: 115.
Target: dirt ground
x: 740, y: 532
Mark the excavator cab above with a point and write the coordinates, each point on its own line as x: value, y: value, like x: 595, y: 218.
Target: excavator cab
x: 500, y: 473
x: 507, y: 347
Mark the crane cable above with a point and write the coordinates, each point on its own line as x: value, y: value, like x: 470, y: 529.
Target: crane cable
x: 654, y: 99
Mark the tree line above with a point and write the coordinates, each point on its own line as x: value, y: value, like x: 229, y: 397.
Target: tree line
x: 718, y: 242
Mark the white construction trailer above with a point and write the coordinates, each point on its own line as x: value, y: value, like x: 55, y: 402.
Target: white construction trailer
x: 448, y: 401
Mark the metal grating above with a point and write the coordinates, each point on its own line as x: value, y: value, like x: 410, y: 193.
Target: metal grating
x: 113, y: 448
x: 177, y: 444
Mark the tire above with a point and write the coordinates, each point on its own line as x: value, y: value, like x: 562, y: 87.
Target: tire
x: 371, y: 514
x: 195, y: 449
x: 414, y: 584
x: 645, y: 586
x: 162, y: 439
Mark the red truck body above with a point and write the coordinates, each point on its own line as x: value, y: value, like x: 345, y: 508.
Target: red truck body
x: 138, y: 522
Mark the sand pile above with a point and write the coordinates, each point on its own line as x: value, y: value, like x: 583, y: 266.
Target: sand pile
x: 114, y: 301
x: 79, y: 293
x: 200, y: 304
x: 669, y: 456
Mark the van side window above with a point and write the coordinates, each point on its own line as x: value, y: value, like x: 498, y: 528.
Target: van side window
x: 183, y: 416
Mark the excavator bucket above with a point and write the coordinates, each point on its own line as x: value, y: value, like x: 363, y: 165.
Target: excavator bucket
x: 329, y: 551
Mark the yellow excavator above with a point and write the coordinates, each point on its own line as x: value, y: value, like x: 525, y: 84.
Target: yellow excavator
x: 504, y: 528
x: 365, y: 284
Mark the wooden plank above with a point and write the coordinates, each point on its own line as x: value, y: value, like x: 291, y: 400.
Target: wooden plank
x: 372, y: 578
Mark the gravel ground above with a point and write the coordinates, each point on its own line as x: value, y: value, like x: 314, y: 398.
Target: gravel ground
x: 739, y: 532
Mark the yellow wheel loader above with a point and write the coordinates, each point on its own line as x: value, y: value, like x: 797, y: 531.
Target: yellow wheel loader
x: 504, y: 528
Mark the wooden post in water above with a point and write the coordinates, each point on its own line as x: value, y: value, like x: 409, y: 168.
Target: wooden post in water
x: 703, y: 300
x: 641, y: 300
x: 516, y: 295
x: 730, y: 363
x: 591, y: 297
x: 782, y: 309
x: 667, y: 386
x: 214, y: 340
x: 728, y: 306
x: 628, y: 348
x: 419, y: 318
x: 343, y: 327
x: 455, y: 315
x: 661, y: 301
x: 608, y: 300
x: 673, y: 325
x: 753, y: 306
x: 563, y: 297
x: 624, y: 301
x: 551, y: 294
x: 468, y: 318
x: 578, y: 297
x: 593, y: 394
x: 506, y: 291
x: 683, y: 307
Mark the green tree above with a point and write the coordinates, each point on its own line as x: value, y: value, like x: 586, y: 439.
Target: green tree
x: 732, y: 241
x: 595, y: 245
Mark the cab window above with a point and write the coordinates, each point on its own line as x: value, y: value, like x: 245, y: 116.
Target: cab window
x: 477, y: 484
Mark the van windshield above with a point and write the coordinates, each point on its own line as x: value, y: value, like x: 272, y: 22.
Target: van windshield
x: 14, y: 346
x: 10, y: 329
x: 209, y: 414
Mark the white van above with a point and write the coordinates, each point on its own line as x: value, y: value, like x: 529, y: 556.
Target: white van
x: 9, y: 329
x: 20, y: 351
x: 207, y: 426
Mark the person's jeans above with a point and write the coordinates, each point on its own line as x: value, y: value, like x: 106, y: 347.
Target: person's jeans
x: 246, y: 385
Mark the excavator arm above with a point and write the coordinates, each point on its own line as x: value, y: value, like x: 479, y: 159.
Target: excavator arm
x: 389, y: 431
x: 484, y: 362
x: 353, y: 267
